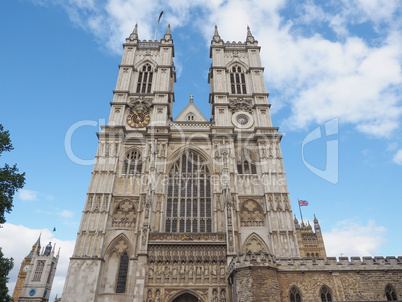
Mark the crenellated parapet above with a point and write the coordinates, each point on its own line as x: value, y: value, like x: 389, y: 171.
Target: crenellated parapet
x: 315, y: 264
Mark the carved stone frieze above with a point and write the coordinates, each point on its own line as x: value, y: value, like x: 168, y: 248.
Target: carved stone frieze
x: 240, y: 104
x: 140, y: 104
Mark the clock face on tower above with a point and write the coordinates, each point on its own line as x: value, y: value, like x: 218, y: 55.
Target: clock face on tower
x: 26, y: 268
x: 138, y: 119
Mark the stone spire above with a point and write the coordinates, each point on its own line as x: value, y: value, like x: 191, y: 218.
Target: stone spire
x: 168, y: 36
x: 250, y: 37
x: 134, y: 35
x: 216, y: 38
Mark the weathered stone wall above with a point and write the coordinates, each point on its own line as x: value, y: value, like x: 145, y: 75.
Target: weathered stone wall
x: 259, y: 277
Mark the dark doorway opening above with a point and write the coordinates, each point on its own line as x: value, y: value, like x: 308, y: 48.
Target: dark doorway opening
x: 186, y: 298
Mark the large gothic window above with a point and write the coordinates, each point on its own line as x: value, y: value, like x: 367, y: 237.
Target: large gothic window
x: 122, y: 277
x: 294, y: 294
x: 145, y: 79
x: 132, y: 163
x: 390, y: 293
x: 325, y: 294
x: 188, y: 205
x: 237, y: 80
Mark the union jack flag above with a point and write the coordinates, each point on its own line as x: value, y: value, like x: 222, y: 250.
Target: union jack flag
x: 303, y: 203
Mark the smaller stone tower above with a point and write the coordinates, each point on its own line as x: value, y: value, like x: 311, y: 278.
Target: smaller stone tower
x: 39, y: 274
x: 25, y: 265
x: 311, y: 243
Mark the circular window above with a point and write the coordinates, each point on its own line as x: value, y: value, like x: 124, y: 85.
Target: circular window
x: 242, y: 120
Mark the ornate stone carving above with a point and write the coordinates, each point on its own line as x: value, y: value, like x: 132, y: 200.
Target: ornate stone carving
x: 140, y: 104
x: 124, y: 215
x: 254, y: 244
x: 240, y: 104
x: 251, y: 214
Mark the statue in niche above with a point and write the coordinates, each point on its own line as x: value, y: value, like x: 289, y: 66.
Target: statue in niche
x: 158, y: 296
x: 183, y: 269
x: 206, y: 270
x: 199, y: 270
x: 150, y: 273
x: 223, y: 296
x: 190, y: 270
x: 214, y: 270
x: 222, y: 270
x: 214, y: 295
x: 159, y: 271
x: 149, y: 295
x: 167, y: 270
x: 174, y: 270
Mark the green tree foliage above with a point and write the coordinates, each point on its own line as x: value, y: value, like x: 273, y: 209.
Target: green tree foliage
x: 10, y: 179
x: 6, y: 264
x: 10, y: 182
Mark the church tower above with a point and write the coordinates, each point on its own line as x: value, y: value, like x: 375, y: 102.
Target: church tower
x: 173, y: 204
x: 22, y: 274
x: 36, y: 275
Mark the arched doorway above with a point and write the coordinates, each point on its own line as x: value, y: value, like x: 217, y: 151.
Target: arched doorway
x: 186, y: 298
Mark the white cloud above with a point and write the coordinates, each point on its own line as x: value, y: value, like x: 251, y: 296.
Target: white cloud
x: 349, y: 238
x: 25, y: 194
x: 66, y: 214
x: 398, y: 157
x: 18, y: 249
x: 30, y: 195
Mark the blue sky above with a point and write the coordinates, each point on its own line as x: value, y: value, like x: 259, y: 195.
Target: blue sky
x: 323, y: 61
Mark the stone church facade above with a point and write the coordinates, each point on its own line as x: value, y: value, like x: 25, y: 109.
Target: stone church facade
x: 188, y: 209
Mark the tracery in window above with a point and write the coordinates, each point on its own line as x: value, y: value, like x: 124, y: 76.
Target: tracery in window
x: 390, y: 293
x: 237, y: 80
x: 145, y: 79
x: 188, y: 205
x: 132, y: 163
x: 325, y: 294
x: 122, y: 276
x: 294, y: 294
x: 246, y: 163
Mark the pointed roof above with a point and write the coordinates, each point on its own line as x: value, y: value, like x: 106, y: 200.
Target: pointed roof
x: 190, y: 113
x: 35, y: 247
x: 134, y: 34
x: 250, y: 37
x: 216, y: 38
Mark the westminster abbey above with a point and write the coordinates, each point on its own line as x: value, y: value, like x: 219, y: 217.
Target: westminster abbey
x: 189, y: 209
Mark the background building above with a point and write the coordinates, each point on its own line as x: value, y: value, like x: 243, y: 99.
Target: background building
x: 36, y: 274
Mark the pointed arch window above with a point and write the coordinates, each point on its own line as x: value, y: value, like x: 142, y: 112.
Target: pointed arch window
x: 325, y: 294
x: 245, y: 164
x: 390, y: 293
x: 132, y: 163
x: 145, y: 79
x: 188, y: 205
x: 294, y: 294
x: 237, y: 80
x: 122, y: 276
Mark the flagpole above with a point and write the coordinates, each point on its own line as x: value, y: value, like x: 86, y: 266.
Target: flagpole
x: 298, y: 201
x: 156, y: 29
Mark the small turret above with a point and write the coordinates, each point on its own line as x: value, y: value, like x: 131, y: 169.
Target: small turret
x: 250, y: 37
x: 134, y: 35
x: 317, y: 227
x: 216, y: 38
x: 168, y: 36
